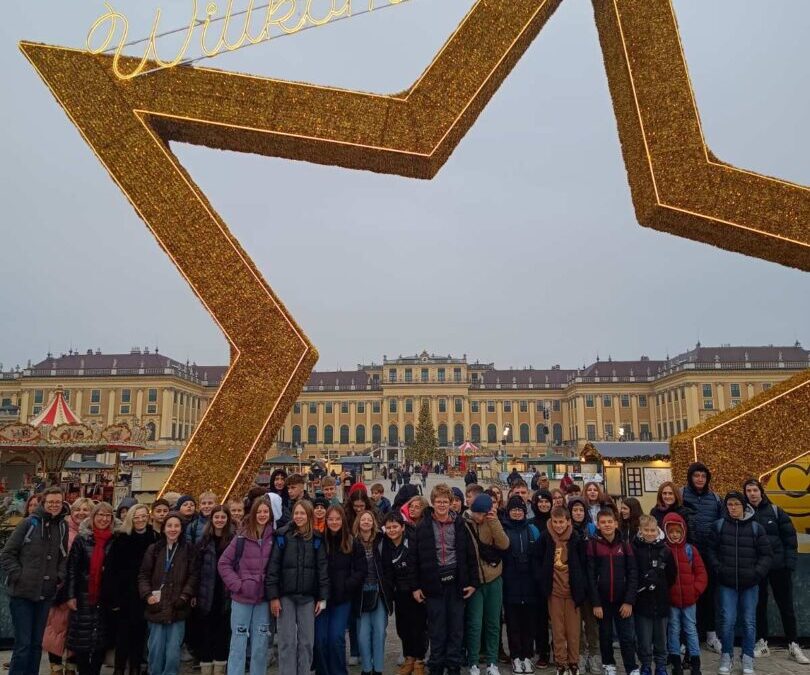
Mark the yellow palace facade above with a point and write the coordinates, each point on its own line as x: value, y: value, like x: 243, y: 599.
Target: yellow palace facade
x: 543, y: 411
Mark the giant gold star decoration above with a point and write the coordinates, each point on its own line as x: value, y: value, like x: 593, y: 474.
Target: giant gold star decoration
x: 129, y: 124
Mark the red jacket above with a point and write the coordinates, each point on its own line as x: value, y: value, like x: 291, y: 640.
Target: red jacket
x: 691, y: 579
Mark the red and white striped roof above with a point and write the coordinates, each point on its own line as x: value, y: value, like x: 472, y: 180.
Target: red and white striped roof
x: 56, y: 412
x: 467, y: 447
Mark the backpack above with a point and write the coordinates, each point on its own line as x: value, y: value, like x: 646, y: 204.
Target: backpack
x: 35, y: 521
x: 756, y: 528
x: 281, y: 541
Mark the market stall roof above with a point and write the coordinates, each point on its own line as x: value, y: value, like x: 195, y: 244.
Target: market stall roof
x: 357, y: 459
x: 482, y: 460
x: 281, y: 460
x: 627, y: 449
x: 170, y: 454
x: 56, y: 412
x: 88, y: 465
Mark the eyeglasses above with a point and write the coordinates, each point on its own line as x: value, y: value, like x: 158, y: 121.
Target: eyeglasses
x: 53, y: 502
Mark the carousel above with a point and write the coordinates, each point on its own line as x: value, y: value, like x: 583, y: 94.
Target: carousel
x: 39, y: 451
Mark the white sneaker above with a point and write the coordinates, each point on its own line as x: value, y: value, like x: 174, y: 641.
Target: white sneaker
x: 747, y: 665
x: 354, y: 660
x: 492, y: 669
x: 474, y: 670
x: 185, y: 655
x: 725, y: 664
x: 528, y: 667
x: 609, y: 670
x: 517, y: 666
x: 595, y: 665
x: 635, y: 671
x: 713, y: 644
x: 795, y: 652
x: 583, y: 664
x: 761, y: 648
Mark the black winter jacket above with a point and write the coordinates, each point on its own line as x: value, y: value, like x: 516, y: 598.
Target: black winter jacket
x: 656, y: 574
x: 577, y: 566
x: 427, y: 564
x: 781, y: 534
x: 90, y: 628
x: 124, y: 563
x: 399, y: 565
x: 347, y: 572
x: 521, y: 563
x: 386, y: 590
x: 34, y: 559
x: 612, y: 571
x: 212, y: 593
x: 705, y: 505
x: 297, y: 567
x: 739, y: 552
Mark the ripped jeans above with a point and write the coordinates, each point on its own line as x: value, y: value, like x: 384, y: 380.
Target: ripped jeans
x: 249, y: 622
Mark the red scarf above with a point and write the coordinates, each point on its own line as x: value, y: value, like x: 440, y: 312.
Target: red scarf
x: 101, y: 537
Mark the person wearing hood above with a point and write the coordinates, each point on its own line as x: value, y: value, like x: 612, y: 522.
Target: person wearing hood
x: 90, y: 590
x: 541, y: 503
x: 583, y: 531
x: 563, y: 585
x: 457, y: 504
x: 691, y: 579
x: 280, y: 516
x: 784, y: 546
x: 656, y: 574
x: 34, y: 561
x: 520, y: 589
x: 483, y: 611
x: 707, y: 508
x: 243, y: 568
x: 740, y: 557
x: 413, y: 511
x: 123, y: 506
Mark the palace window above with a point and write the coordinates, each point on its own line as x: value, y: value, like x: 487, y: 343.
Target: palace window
x: 376, y: 407
x: 442, y: 405
x: 642, y: 400
x: 625, y: 400
x: 440, y: 374
x: 124, y: 410
x: 408, y: 375
x: 95, y: 396
x: 328, y: 408
x: 376, y: 434
x: 344, y: 434
x: 555, y: 405
x: 38, y: 396
x: 392, y: 405
x: 589, y: 400
x: 707, y: 391
x: 490, y: 406
x: 708, y: 404
x: 607, y: 401
x: 591, y: 430
x: 296, y: 408
x: 312, y: 434
x: 361, y: 407
x: 360, y: 433
x: 425, y: 375
x: 344, y: 407
x: 492, y: 434
x: 474, y: 406
x: 524, y: 433
x: 735, y: 390
x: 458, y: 404
x: 392, y: 375
x: 644, y: 432
x: 609, y: 431
x: 524, y: 406
x: 475, y: 433
x: 456, y: 374
x: 408, y: 405
x: 296, y: 435
x: 507, y: 406
x: 313, y: 408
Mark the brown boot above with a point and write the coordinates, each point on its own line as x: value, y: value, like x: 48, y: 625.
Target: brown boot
x: 418, y: 667
x: 57, y: 669
x: 407, y: 666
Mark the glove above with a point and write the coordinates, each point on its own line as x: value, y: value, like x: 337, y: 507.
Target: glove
x: 180, y: 603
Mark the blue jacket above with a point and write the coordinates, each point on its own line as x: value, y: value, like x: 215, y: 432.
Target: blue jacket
x: 706, y: 506
x: 521, y: 563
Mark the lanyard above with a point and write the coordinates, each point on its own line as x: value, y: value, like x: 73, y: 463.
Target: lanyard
x: 167, y: 565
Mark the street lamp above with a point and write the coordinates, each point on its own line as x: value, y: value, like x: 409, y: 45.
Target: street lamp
x: 506, y: 431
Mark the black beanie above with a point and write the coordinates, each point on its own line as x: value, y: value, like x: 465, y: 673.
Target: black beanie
x: 515, y: 502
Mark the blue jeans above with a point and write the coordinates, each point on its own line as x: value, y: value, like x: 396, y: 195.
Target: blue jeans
x: 730, y: 602
x: 164, y: 647
x: 683, y: 619
x: 330, y: 639
x: 249, y: 622
x: 371, y: 637
x: 29, y: 619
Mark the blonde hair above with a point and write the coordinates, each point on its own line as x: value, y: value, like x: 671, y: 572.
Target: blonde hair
x: 98, y: 508
x: 441, y: 490
x: 647, y: 520
x: 128, y: 526
x: 209, y: 494
x: 82, y: 501
x: 304, y: 532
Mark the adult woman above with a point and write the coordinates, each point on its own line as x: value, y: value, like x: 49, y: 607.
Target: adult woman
x: 557, y: 497
x: 243, y: 567
x: 213, y: 602
x: 346, y: 565
x: 135, y: 536
x: 373, y: 605
x: 667, y: 501
x: 297, y: 585
x: 166, y: 583
x: 629, y: 513
x: 412, y: 512
x: 88, y: 590
x: 595, y: 499
x: 31, y: 505
x: 160, y: 509
x: 56, y: 628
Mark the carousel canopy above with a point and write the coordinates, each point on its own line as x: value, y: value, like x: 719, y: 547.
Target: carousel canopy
x: 56, y: 412
x: 467, y: 447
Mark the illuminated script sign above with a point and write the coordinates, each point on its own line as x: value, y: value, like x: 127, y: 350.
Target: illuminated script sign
x: 257, y: 23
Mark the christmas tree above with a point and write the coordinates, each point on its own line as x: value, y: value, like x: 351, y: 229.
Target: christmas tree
x: 424, y: 449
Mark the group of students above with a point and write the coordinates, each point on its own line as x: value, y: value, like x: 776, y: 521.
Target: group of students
x: 222, y: 579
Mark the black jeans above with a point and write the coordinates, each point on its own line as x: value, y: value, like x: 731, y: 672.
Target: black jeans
x: 520, y: 629
x: 214, y: 632
x: 411, y: 617
x: 651, y: 640
x: 130, y: 640
x: 89, y: 663
x: 541, y: 638
x: 627, y: 637
x: 781, y: 582
x: 445, y: 620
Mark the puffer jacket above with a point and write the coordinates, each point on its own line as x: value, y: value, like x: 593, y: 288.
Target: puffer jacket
x: 521, y: 563
x: 124, y: 564
x: 660, y: 512
x: 691, y: 577
x: 211, y: 591
x: 705, y: 505
x: 178, y: 585
x: 34, y: 559
x: 739, y: 552
x: 245, y: 579
x: 780, y: 530
x: 297, y: 567
x: 428, y: 578
x: 612, y: 571
x: 347, y: 571
x: 90, y: 628
x: 656, y: 575
x: 195, y: 529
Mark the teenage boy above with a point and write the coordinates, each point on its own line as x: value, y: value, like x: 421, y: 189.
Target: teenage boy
x: 457, y: 504
x: 445, y: 576
x: 656, y: 574
x: 740, y: 556
x: 379, y: 500
x: 613, y: 582
x: 563, y: 583
x: 329, y: 489
x: 295, y: 488
x: 194, y: 530
x: 483, y: 621
x: 471, y: 492
x: 784, y: 545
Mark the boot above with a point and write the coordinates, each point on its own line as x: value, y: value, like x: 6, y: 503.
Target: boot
x: 407, y: 666
x: 57, y: 669
x: 695, y: 663
x: 220, y: 667
x: 206, y: 668
x: 675, y: 662
x: 418, y: 667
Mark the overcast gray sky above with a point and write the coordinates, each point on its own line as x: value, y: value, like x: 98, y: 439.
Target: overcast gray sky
x: 523, y: 250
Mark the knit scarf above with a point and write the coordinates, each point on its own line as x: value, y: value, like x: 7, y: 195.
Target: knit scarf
x: 561, y: 540
x: 100, y: 537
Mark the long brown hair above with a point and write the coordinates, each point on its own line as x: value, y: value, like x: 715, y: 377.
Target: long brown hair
x: 659, y: 502
x: 249, y: 525
x: 375, y: 529
x: 227, y: 531
x: 343, y: 542
x: 306, y: 531
x: 601, y: 497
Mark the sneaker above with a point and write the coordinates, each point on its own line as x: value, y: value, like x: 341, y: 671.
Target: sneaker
x: 747, y: 665
x: 635, y: 671
x: 645, y: 670
x: 609, y: 669
x: 541, y: 663
x: 185, y: 655
x: 583, y: 663
x: 713, y: 644
x: 561, y: 670
x: 492, y: 669
x: 596, y: 665
x: 474, y: 670
x: 354, y: 660
x: 795, y: 652
x: 517, y: 666
x: 527, y: 666
x: 400, y: 660
x: 761, y: 648
x: 725, y: 664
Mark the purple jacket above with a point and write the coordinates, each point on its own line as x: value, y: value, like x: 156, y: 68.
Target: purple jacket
x: 247, y: 584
